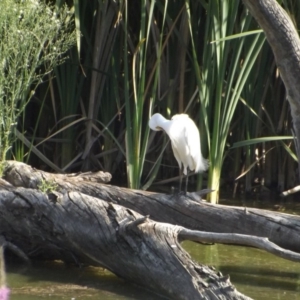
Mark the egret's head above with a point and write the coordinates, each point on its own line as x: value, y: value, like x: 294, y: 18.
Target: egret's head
x: 156, y: 121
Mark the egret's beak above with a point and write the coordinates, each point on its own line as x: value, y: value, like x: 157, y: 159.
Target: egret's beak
x: 158, y: 128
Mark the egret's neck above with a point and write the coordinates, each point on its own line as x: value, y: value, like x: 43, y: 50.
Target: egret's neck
x: 165, y: 124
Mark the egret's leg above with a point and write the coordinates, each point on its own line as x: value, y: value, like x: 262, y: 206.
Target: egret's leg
x: 186, y: 182
x: 180, y: 179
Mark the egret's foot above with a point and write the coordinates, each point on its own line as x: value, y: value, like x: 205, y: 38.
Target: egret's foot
x: 182, y: 193
x: 177, y: 192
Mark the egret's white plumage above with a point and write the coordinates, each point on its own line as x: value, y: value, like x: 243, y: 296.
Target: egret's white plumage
x: 185, y: 141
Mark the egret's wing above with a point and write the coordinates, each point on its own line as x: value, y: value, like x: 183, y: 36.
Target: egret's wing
x: 177, y: 137
x: 192, y: 134
x: 192, y: 142
x: 176, y: 154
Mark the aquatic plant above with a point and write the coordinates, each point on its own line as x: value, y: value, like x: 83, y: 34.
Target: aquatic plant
x: 34, y: 37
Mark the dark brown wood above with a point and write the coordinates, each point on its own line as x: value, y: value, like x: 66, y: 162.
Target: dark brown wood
x: 285, y: 43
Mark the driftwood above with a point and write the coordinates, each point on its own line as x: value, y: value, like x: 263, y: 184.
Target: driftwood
x: 81, y: 229
x: 285, y: 43
x: 86, y: 222
x: 291, y: 191
x: 281, y: 229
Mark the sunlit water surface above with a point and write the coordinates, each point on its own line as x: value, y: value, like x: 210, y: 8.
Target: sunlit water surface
x: 255, y: 273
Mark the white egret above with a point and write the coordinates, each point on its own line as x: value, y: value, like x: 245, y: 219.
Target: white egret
x: 185, y: 141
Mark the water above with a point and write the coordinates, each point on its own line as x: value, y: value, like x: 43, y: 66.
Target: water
x: 254, y: 272
x: 56, y: 281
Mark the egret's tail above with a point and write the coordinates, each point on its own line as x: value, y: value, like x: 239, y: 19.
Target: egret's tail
x: 202, y: 166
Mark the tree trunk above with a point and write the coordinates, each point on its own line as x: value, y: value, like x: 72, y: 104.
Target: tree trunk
x: 285, y: 43
x: 282, y: 229
x: 81, y: 229
x: 86, y: 222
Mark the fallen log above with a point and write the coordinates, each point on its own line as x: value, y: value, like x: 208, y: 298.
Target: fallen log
x: 281, y: 229
x: 81, y: 229
x: 85, y: 222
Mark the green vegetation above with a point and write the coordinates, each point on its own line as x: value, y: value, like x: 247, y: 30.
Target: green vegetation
x: 47, y: 186
x: 206, y: 58
x: 33, y: 38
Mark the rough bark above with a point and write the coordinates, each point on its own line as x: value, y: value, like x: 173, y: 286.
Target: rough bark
x: 281, y: 229
x: 285, y: 43
x: 87, y: 222
x: 81, y: 229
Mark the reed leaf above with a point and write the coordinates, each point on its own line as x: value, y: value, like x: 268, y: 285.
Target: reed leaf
x: 222, y: 76
x: 261, y: 140
x: 137, y: 130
